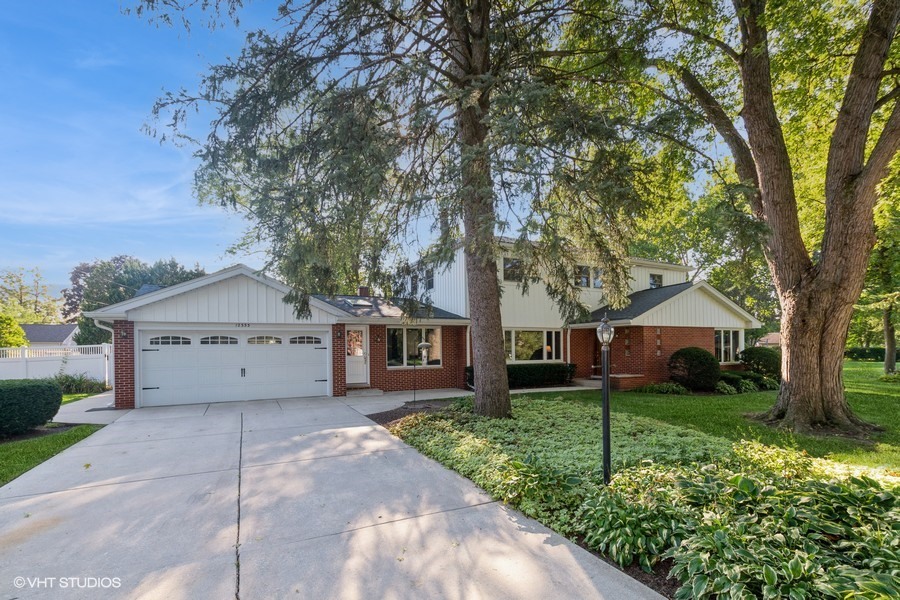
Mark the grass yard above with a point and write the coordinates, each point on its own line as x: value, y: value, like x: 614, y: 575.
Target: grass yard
x: 723, y: 416
x: 724, y: 505
x: 19, y: 456
x: 67, y: 398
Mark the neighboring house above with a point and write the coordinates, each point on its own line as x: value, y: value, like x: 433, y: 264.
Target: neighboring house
x: 230, y: 336
x: 41, y: 336
x: 666, y: 313
x: 770, y: 340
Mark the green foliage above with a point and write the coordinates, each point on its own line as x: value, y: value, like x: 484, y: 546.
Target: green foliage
x: 78, y: 383
x: 876, y: 354
x: 23, y: 455
x: 26, y: 404
x: 11, y: 333
x: 761, y: 520
x: 533, y: 375
x: 746, y: 386
x: 662, y: 388
x: 759, y: 359
x: 25, y: 297
x: 892, y: 378
x: 732, y: 378
x: 725, y: 389
x: 695, y: 368
x: 104, y: 282
x: 759, y: 380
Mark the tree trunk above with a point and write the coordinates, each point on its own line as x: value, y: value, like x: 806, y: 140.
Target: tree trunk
x: 890, y: 340
x: 469, y: 32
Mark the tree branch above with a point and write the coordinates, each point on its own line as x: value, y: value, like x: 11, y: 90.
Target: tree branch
x: 699, y: 35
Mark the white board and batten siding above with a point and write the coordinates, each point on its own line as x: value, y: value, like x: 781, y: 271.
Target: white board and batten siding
x: 450, y: 290
x: 235, y: 300
x: 695, y: 308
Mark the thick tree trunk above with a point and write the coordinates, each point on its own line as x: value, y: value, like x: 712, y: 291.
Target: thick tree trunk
x: 890, y: 340
x: 469, y: 29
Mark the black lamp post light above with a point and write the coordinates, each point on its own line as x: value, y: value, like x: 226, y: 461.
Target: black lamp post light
x: 605, y: 333
x: 423, y: 349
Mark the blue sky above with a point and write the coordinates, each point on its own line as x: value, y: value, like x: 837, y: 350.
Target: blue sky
x: 79, y: 180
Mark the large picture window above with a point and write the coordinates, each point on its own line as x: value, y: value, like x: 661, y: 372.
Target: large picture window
x: 588, y: 277
x: 527, y: 345
x: 403, y: 342
x: 727, y: 345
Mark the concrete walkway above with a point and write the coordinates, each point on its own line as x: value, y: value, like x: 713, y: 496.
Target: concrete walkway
x: 300, y: 498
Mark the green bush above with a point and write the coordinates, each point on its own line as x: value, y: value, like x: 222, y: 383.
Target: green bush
x: 11, y: 333
x: 765, y: 361
x: 726, y: 389
x: 79, y: 383
x: 745, y: 386
x: 695, y: 369
x: 876, y: 354
x: 732, y: 378
x: 668, y: 387
x: 533, y: 375
x: 26, y: 404
x: 761, y: 381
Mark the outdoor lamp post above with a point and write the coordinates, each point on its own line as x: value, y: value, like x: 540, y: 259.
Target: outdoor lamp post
x: 423, y: 353
x: 605, y: 333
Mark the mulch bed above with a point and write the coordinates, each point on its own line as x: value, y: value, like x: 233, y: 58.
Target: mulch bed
x: 36, y: 433
x: 657, y: 581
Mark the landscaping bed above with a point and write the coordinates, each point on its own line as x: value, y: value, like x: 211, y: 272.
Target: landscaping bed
x: 743, y: 518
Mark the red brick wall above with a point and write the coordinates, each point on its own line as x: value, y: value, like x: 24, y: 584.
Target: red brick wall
x: 451, y: 373
x: 338, y: 360
x: 660, y: 346
x: 123, y: 363
x: 583, y: 351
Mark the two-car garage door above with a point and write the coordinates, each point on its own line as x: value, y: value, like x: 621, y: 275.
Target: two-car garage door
x: 190, y: 367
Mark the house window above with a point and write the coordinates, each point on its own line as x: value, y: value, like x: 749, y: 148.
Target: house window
x: 403, y: 342
x: 414, y: 284
x: 655, y: 280
x: 263, y: 339
x: 170, y: 340
x: 429, y: 279
x: 582, y: 276
x: 528, y: 345
x: 598, y: 280
x: 218, y: 340
x: 513, y: 269
x: 727, y: 345
x: 306, y: 339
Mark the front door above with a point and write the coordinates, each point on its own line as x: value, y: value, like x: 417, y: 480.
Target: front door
x: 357, y: 356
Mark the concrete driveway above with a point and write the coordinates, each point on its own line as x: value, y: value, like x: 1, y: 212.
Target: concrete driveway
x: 288, y: 499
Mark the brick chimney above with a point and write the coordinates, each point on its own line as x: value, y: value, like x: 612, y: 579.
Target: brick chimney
x: 364, y: 290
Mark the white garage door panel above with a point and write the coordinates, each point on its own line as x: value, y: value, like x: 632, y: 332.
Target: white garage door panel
x: 200, y: 373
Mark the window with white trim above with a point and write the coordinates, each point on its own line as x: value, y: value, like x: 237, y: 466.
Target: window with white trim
x: 587, y: 277
x: 218, y: 340
x: 429, y: 279
x: 656, y: 280
x: 170, y: 340
x: 532, y: 345
x: 727, y: 345
x: 258, y: 340
x: 403, y: 342
x: 513, y: 270
x: 306, y: 339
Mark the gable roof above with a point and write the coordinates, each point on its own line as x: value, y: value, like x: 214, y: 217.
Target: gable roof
x: 119, y: 310
x: 48, y: 334
x: 648, y: 305
x: 370, y: 307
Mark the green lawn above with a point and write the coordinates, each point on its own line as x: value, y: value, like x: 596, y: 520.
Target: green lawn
x: 23, y: 455
x: 723, y: 416
x: 67, y: 398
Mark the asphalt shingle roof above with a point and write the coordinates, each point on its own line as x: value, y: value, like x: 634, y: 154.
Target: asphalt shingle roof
x: 371, y: 307
x: 47, y: 334
x: 641, y: 302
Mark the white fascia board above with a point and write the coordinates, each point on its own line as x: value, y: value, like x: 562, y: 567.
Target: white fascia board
x: 404, y: 322
x: 596, y: 324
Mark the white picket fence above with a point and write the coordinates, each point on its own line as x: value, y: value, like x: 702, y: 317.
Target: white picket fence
x: 46, y: 361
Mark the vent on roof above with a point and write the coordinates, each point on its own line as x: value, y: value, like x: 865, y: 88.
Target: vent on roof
x: 358, y: 302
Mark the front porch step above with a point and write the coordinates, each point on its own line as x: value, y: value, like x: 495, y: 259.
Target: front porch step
x: 589, y: 383
x: 364, y: 392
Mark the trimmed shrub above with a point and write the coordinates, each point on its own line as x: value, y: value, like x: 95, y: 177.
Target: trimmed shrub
x: 533, y: 375
x: 695, y: 369
x: 747, y: 387
x: 26, y: 404
x: 79, y: 383
x: 731, y: 378
x: 760, y: 381
x: 765, y: 361
x: 876, y: 354
x: 663, y: 388
x: 724, y: 388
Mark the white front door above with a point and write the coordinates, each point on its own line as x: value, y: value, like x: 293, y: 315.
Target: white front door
x: 357, y: 356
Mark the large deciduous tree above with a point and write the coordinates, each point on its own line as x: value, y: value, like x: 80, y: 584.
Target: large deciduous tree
x: 25, y: 297
x: 351, y: 125
x: 104, y: 282
x: 806, y: 102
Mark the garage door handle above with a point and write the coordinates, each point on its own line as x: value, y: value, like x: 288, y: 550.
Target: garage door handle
x: 318, y: 380
x: 243, y: 372
x: 153, y: 388
x: 149, y: 349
